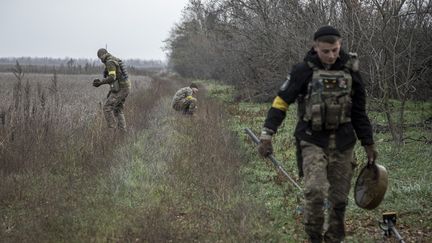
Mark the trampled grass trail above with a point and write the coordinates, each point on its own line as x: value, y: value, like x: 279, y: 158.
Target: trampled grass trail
x: 189, y: 176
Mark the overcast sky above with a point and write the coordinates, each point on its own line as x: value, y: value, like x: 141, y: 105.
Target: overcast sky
x: 78, y: 28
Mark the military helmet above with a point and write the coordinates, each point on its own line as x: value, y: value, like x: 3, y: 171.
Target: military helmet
x: 101, y: 52
x: 371, y: 186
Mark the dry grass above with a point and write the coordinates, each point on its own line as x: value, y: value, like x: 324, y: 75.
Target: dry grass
x: 54, y: 147
x: 47, y: 119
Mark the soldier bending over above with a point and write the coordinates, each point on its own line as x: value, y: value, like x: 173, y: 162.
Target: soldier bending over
x: 184, y: 101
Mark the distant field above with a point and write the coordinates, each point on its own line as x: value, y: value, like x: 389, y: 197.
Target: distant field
x: 73, y: 90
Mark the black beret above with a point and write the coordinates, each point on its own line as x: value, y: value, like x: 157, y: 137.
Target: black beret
x: 326, y: 30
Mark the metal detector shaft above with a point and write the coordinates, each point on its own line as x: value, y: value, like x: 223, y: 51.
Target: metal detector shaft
x: 397, y: 235
x: 395, y: 232
x: 272, y: 158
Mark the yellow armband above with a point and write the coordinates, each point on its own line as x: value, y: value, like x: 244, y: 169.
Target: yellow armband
x: 112, y: 73
x: 280, y: 104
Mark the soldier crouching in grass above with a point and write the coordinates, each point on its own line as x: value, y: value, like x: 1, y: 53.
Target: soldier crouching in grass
x: 116, y: 76
x: 331, y: 101
x: 184, y: 101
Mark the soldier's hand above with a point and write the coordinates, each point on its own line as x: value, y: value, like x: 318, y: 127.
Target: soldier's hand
x: 97, y: 83
x: 371, y: 153
x: 265, y: 147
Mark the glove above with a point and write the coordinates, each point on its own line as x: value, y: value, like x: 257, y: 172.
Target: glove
x: 97, y: 83
x: 265, y: 147
x: 371, y: 153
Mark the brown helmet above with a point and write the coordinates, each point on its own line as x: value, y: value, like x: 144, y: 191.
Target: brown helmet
x: 371, y: 186
x: 101, y: 52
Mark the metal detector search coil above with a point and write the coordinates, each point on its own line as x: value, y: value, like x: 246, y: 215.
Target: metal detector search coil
x: 371, y: 186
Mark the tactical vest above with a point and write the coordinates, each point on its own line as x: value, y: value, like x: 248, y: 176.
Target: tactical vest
x: 328, y: 101
x: 122, y: 79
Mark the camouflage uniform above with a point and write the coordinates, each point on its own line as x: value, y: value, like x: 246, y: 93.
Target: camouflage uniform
x: 327, y: 173
x: 326, y: 139
x: 116, y: 76
x: 184, y: 101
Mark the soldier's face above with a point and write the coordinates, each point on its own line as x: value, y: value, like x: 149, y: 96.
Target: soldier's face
x: 327, y: 53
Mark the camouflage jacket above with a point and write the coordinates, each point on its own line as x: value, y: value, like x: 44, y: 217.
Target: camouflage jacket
x: 181, y: 94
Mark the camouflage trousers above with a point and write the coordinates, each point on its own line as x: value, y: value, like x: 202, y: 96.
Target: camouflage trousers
x: 113, y: 109
x: 327, y: 175
x: 187, y: 106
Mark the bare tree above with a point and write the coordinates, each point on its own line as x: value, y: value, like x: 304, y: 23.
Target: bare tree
x: 391, y: 40
x: 253, y: 43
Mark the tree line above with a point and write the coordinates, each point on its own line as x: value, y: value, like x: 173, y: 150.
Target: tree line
x: 253, y: 43
x: 74, y: 66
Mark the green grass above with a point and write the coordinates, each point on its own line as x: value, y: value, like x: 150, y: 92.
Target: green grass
x: 414, y: 112
x: 409, y: 168
x: 215, y: 89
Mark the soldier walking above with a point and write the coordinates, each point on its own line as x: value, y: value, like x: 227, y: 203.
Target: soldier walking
x: 116, y: 76
x: 331, y: 102
x: 184, y: 101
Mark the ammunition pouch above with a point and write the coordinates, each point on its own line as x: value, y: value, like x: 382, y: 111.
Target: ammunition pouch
x: 316, y: 115
x: 332, y: 116
x: 346, y: 105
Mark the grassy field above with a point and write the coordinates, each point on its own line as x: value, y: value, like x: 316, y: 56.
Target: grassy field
x: 171, y: 178
x: 409, y: 167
